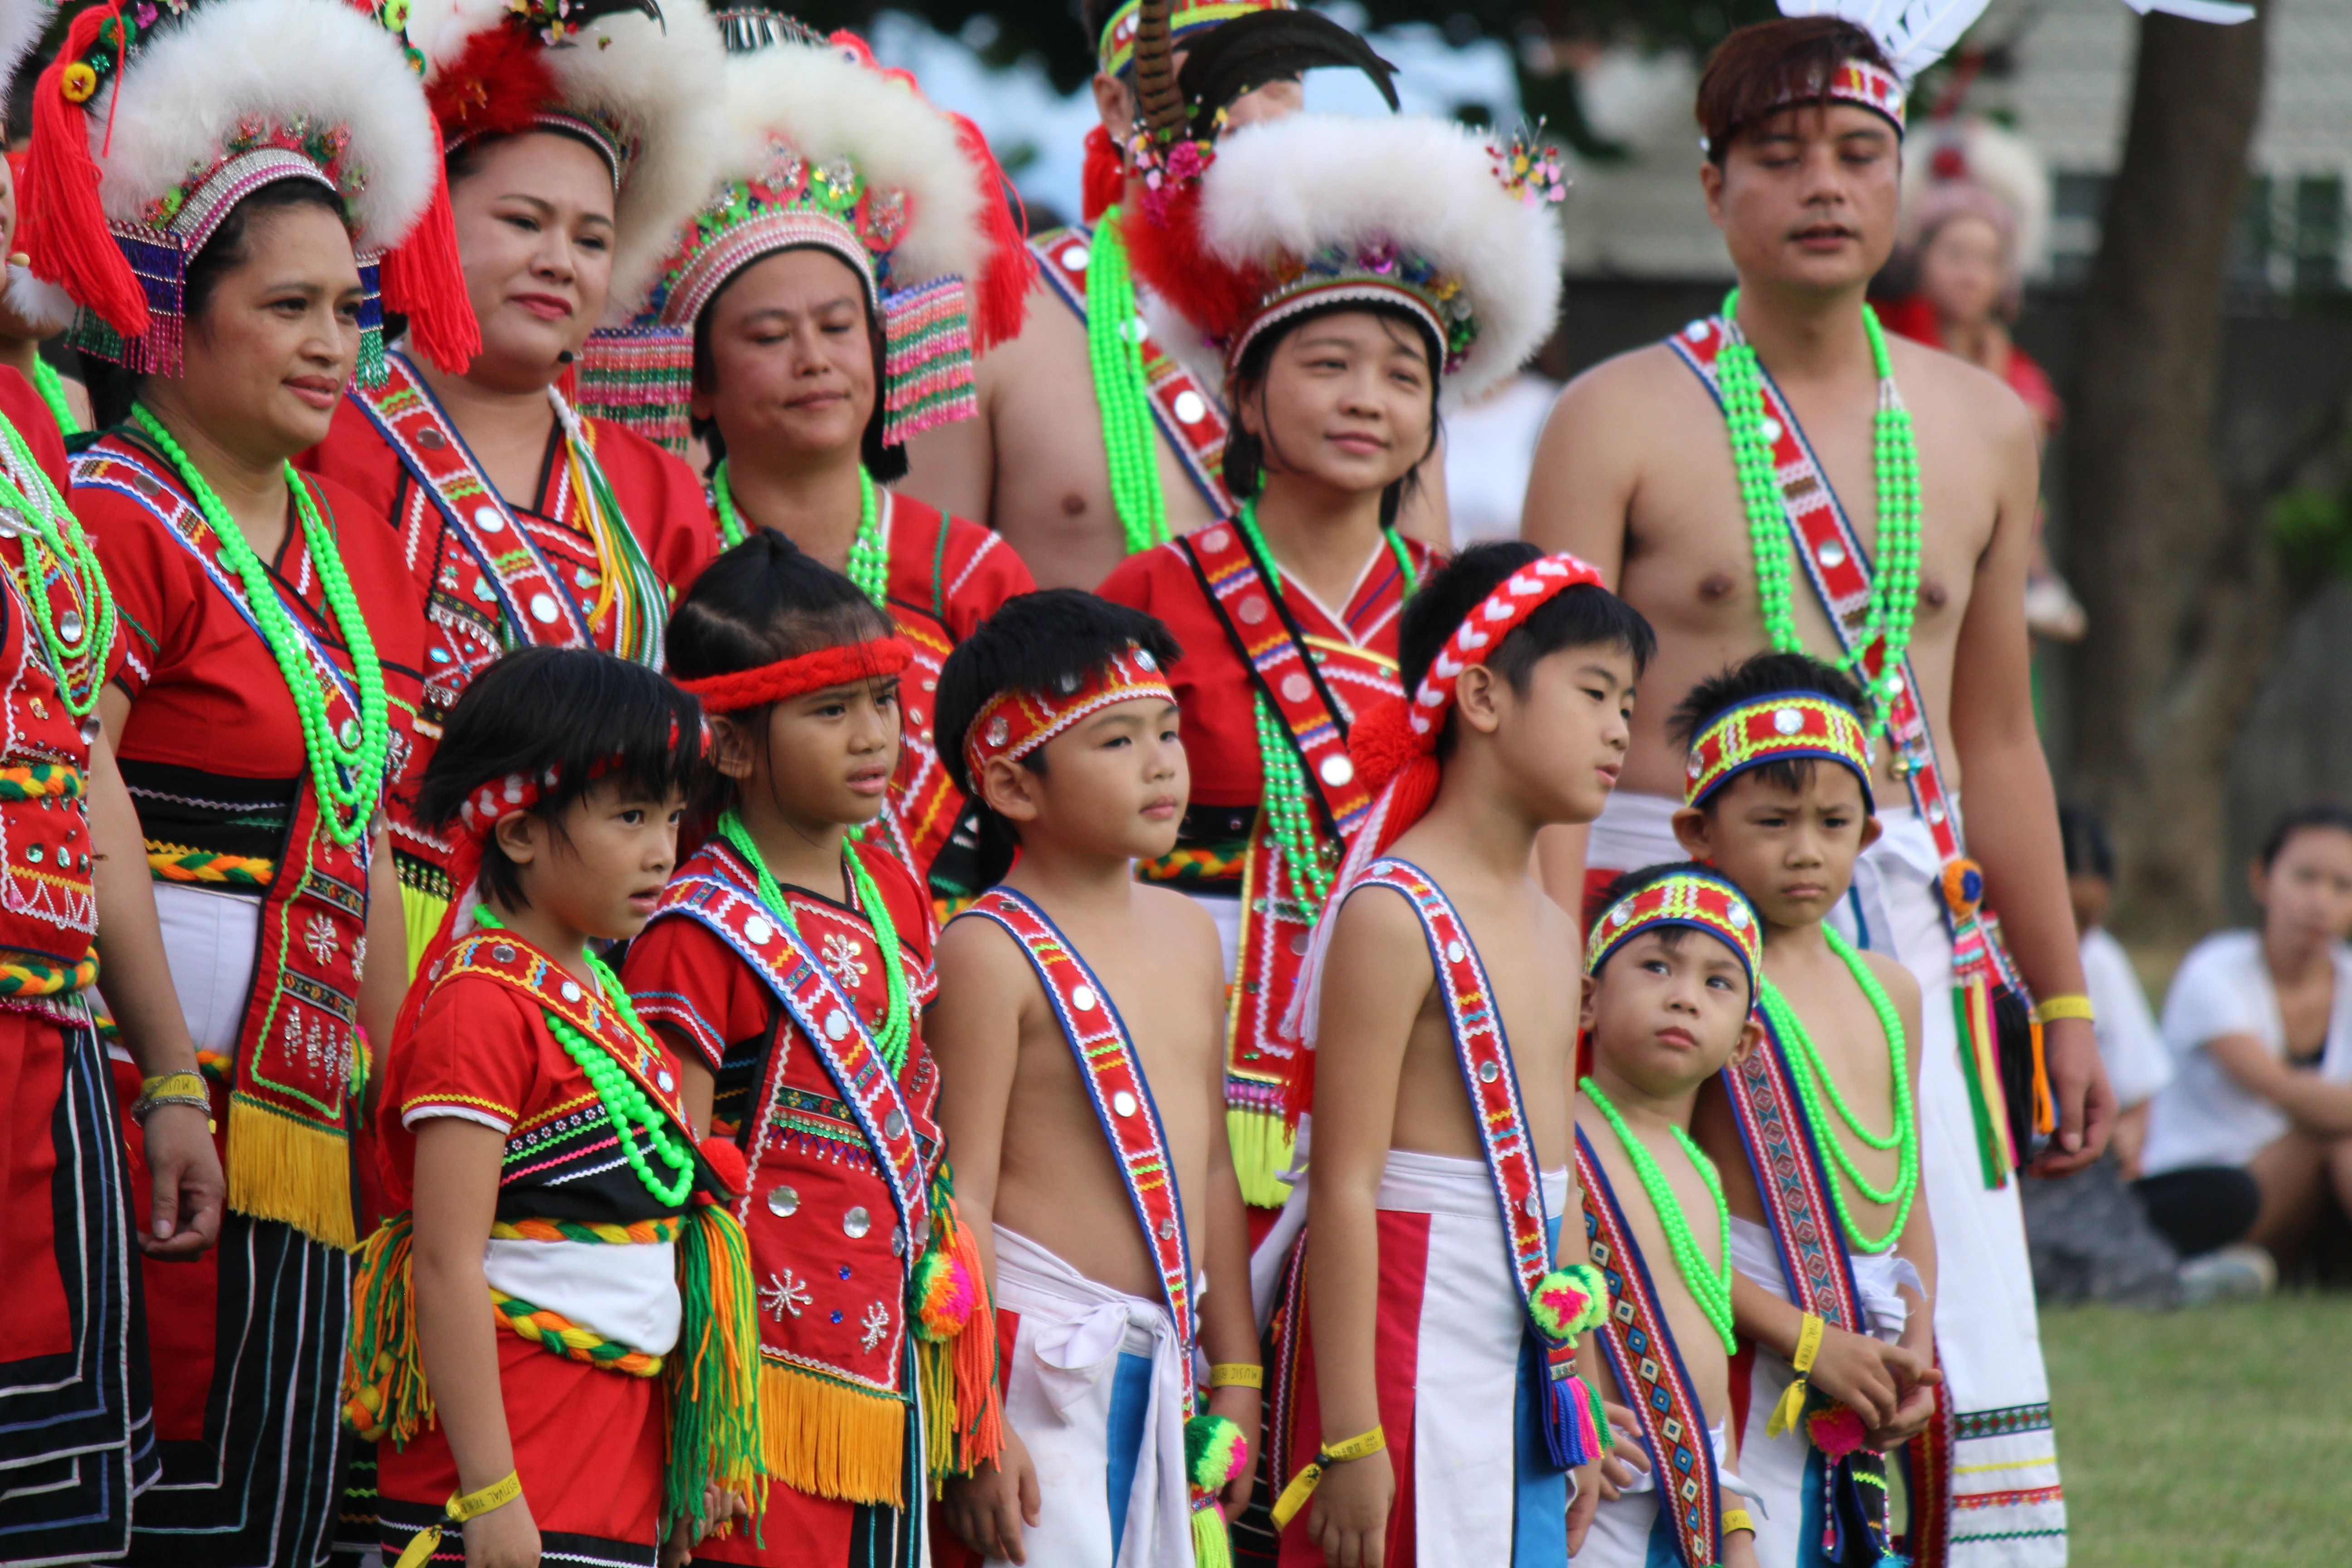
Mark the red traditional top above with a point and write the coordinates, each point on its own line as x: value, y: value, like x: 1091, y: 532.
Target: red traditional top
x: 47, y: 906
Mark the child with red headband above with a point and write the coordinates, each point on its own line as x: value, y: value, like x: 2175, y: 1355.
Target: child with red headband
x: 1777, y: 799
x: 1663, y: 1015
x: 1084, y: 1098
x: 1430, y: 1408
x: 789, y: 962
x: 536, y: 1146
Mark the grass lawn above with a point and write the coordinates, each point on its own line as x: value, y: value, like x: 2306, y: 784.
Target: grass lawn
x: 2220, y: 1438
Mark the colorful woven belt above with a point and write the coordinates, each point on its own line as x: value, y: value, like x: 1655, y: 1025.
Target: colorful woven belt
x: 41, y: 781
x: 178, y: 863
x: 1197, y: 863
x: 641, y: 1232
x: 559, y: 1335
x: 23, y: 974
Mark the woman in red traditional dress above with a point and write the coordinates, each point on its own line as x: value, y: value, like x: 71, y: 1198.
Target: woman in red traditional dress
x: 823, y: 292
x: 260, y: 150
x: 578, y: 135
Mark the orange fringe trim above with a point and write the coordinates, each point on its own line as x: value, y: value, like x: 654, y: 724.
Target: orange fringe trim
x: 829, y: 1438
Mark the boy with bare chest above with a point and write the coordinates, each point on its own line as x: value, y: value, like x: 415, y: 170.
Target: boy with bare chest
x: 1779, y: 802
x: 1080, y: 1032
x: 1427, y: 1396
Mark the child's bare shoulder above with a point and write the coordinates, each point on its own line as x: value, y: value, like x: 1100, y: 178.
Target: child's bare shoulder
x: 1901, y: 986
x: 981, y: 966
x: 1171, y: 916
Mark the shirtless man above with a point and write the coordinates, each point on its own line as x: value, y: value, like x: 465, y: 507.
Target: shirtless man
x: 1635, y: 474
x: 1055, y: 718
x: 1033, y: 464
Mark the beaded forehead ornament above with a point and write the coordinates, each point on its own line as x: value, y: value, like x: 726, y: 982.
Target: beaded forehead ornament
x: 1783, y: 726
x: 1011, y: 724
x: 1698, y: 900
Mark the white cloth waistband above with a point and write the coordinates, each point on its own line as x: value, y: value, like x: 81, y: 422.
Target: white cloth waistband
x: 1415, y: 1182
x: 624, y: 1291
x: 1877, y: 1277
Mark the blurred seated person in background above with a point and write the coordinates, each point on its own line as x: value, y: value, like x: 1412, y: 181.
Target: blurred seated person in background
x: 2260, y: 1024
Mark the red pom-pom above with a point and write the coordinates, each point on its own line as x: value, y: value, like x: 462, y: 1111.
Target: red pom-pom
x: 1837, y: 1432
x: 1381, y: 741
x: 497, y: 86
x: 726, y: 1160
x: 1173, y: 258
x: 64, y: 231
x: 1105, y: 179
x: 425, y: 280
x: 1001, y: 293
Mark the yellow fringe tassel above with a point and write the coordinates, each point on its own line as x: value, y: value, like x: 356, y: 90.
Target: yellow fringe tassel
x: 384, y: 1369
x: 284, y: 1169
x: 830, y: 1439
x: 1213, y: 1546
x: 420, y: 913
x: 1262, y: 1147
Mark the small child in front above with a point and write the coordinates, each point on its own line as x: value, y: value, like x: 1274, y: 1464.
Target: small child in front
x: 550, y: 1192
x: 1428, y: 1405
x: 1671, y: 970
x: 1091, y: 1137
x: 1778, y: 801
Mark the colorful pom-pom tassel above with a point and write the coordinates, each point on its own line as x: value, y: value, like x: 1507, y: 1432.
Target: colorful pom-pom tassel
x: 944, y: 1295
x: 1836, y: 1431
x: 1567, y: 1301
x: 1571, y: 1436
x: 1212, y: 1546
x: 1216, y: 1452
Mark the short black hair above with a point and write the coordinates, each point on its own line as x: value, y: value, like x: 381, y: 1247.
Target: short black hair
x: 761, y: 602
x: 1585, y: 615
x: 1032, y: 641
x: 2310, y: 816
x: 1627, y: 883
x: 2083, y: 840
x: 1765, y: 675
x: 1244, y: 464
x: 590, y: 716
x: 886, y: 464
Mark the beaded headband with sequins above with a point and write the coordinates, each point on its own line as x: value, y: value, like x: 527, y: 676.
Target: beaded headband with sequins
x: 1698, y: 899
x: 786, y: 679
x: 1785, y: 726
x: 1857, y: 82
x: 824, y: 149
x: 1011, y: 724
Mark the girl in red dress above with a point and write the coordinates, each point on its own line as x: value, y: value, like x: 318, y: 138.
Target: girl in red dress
x: 789, y: 965
x: 820, y: 300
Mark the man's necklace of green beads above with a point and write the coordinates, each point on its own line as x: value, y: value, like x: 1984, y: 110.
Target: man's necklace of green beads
x: 1812, y: 1079
x: 52, y: 388
x: 897, y: 1014
x: 1115, y: 331
x: 85, y: 632
x: 1709, y: 1284
x: 1288, y: 815
x: 1895, y: 587
x: 346, y: 769
x: 625, y: 1105
x: 869, y: 552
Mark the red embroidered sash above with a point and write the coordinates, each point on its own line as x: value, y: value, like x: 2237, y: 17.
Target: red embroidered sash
x: 1481, y: 1049
x: 1838, y: 567
x: 828, y: 1017
x: 1793, y: 1180
x: 297, y: 1041
x: 1116, y: 1087
x: 1275, y: 927
x: 1650, y: 1374
x: 532, y: 603
x: 1190, y: 418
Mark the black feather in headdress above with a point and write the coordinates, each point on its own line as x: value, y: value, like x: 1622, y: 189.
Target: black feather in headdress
x: 1235, y: 58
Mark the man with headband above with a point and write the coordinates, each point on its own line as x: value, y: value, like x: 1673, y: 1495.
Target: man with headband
x: 1080, y: 1034
x: 1092, y: 441
x: 1786, y: 456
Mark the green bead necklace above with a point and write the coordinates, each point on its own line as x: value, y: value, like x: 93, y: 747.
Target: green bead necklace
x: 625, y: 1105
x: 1812, y: 1079
x: 52, y: 388
x: 1709, y: 1284
x: 45, y: 515
x: 869, y: 552
x: 1115, y: 351
x: 346, y: 769
x: 1895, y: 452
x: 1289, y: 819
x: 897, y: 1014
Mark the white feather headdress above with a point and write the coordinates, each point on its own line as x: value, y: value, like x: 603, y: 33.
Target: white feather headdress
x: 1915, y: 34
x: 1315, y: 208
x: 22, y: 23
x: 645, y: 86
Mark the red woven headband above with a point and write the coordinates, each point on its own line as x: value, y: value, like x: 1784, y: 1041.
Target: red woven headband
x: 1015, y: 723
x: 826, y: 668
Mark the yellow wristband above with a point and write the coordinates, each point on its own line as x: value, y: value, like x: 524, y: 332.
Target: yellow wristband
x: 1302, y: 1485
x: 175, y: 1083
x: 497, y: 1494
x: 2072, y: 1006
x: 1809, y: 1343
x: 1737, y: 1518
x: 1236, y: 1375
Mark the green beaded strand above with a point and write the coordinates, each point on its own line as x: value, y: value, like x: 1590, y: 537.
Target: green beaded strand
x: 52, y: 388
x: 346, y: 770
x: 1710, y: 1284
x: 1895, y: 459
x: 44, y: 515
x: 869, y: 552
x: 1115, y: 351
x: 897, y: 1014
x: 625, y: 1102
x: 1814, y: 1081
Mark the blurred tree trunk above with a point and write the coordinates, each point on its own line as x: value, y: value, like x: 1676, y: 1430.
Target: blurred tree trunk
x: 2179, y: 578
